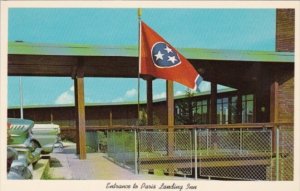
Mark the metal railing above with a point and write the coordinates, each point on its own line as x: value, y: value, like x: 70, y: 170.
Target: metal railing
x: 121, y: 147
x: 285, y: 154
x: 235, y: 153
x: 157, y: 153
x: 238, y: 151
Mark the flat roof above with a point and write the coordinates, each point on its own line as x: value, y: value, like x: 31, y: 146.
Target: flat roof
x: 26, y: 48
x: 239, y: 69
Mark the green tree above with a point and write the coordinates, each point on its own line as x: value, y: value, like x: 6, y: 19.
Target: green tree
x: 144, y: 117
x: 187, y: 108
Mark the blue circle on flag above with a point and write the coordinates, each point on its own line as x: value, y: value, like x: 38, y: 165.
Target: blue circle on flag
x: 164, y: 56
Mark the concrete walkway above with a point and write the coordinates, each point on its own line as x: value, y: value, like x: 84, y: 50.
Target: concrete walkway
x: 65, y: 164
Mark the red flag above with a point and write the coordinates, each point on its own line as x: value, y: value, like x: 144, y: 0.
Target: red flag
x: 159, y: 59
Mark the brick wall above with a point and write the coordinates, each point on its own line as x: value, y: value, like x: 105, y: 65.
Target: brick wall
x: 285, y: 42
x: 285, y: 30
x: 286, y: 101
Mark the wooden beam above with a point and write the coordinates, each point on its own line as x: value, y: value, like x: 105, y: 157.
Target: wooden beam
x: 206, y: 164
x: 74, y: 71
x: 180, y: 127
x: 213, y: 104
x: 207, y: 161
x: 149, y: 102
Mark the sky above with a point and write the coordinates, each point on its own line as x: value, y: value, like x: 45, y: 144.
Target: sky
x: 238, y: 29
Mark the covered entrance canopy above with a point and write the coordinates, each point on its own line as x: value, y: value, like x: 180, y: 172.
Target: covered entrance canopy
x: 248, y: 71
x: 233, y: 68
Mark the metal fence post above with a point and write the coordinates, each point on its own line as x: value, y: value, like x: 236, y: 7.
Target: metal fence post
x: 123, y: 150
x: 271, y: 155
x: 113, y: 144
x: 207, y: 141
x: 108, y: 143
x: 277, y: 153
x: 241, y: 140
x: 135, y: 153
x: 196, y: 154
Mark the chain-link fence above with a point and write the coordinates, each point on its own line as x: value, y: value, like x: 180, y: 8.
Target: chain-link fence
x: 286, y: 153
x: 237, y: 153
x: 166, y: 152
x: 92, y: 141
x: 121, y: 147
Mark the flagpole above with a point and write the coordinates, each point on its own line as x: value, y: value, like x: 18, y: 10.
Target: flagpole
x: 139, y: 55
x: 21, y: 97
x: 139, y: 77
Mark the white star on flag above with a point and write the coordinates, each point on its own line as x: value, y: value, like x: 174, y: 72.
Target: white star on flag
x: 159, y: 59
x: 168, y: 49
x: 172, y: 59
x: 159, y: 55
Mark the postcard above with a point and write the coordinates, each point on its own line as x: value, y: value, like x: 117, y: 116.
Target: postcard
x: 172, y: 95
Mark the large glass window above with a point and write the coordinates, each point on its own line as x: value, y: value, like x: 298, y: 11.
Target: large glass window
x: 233, y: 110
x: 201, y: 112
x: 222, y: 110
x: 247, y: 110
x: 194, y: 112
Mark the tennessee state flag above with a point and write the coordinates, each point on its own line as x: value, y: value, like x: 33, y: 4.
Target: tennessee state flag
x: 159, y: 59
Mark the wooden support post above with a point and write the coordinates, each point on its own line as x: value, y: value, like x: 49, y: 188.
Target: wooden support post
x: 213, y: 104
x: 80, y: 111
x: 274, y: 102
x: 51, y: 117
x: 81, y: 117
x: 170, y: 113
x: 76, y: 115
x: 110, y: 118
x: 261, y: 107
x: 149, y: 102
x: 274, y: 111
x: 149, y: 112
x: 170, y: 104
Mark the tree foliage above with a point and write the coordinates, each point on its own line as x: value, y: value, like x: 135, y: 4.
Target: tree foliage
x: 187, y: 107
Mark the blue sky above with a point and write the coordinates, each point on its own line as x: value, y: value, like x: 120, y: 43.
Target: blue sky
x: 240, y: 29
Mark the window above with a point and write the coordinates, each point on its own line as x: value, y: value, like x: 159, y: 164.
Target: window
x: 247, y: 108
x: 194, y: 112
x: 201, y: 112
x: 222, y: 110
x: 233, y: 110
